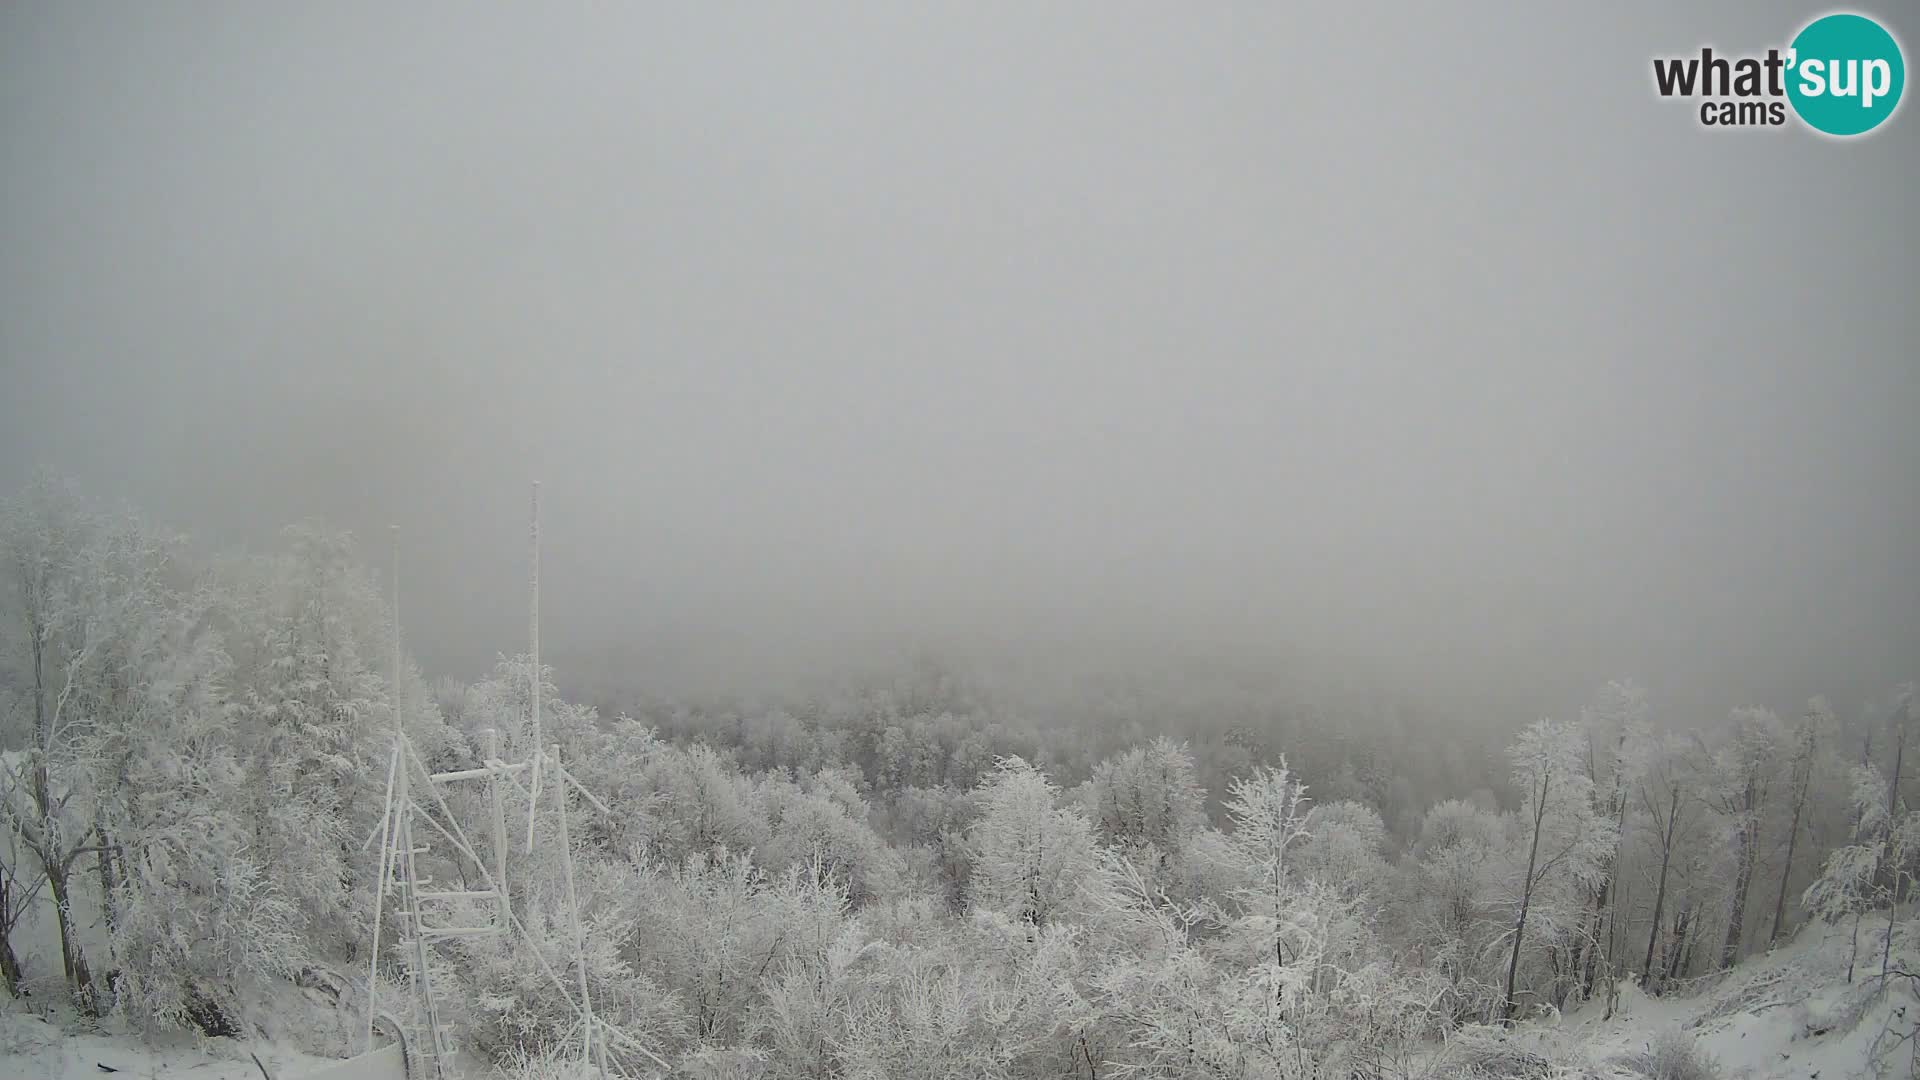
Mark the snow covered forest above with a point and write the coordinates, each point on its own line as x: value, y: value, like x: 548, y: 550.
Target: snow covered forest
x: 907, y: 879
x: 1101, y: 540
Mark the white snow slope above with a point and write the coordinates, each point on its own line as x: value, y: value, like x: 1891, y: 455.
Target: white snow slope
x: 1791, y: 1013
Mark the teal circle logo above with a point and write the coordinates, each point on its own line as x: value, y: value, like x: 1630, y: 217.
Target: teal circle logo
x: 1845, y: 74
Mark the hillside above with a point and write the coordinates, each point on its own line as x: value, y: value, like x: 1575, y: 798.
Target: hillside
x: 1791, y: 1014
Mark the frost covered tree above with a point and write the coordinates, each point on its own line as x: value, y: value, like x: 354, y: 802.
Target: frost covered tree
x: 19, y: 888
x: 200, y: 923
x: 203, y: 926
x: 704, y: 805
x: 1160, y: 992
x: 1618, y: 716
x: 134, y: 759
x: 821, y: 981
x: 1452, y: 909
x: 1803, y: 747
x: 824, y: 827
x: 1877, y: 868
x: 513, y: 994
x: 1147, y: 798
x: 1566, y: 840
x: 933, y: 823
x: 1269, y: 813
x: 1740, y: 782
x: 1148, y: 805
x: 1900, y: 724
x: 1298, y: 948
x: 116, y: 650
x: 1033, y: 861
x: 307, y: 627
x: 45, y: 536
x: 1850, y: 882
x: 1001, y: 1008
x: 1669, y: 804
x: 713, y: 930
x: 1345, y: 848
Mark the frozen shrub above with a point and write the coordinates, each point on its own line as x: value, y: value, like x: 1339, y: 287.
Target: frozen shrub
x: 552, y: 1064
x: 1671, y: 1056
x: 717, y: 1063
x: 1487, y: 1052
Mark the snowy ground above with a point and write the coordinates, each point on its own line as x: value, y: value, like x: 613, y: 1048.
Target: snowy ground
x: 52, y: 1047
x: 1788, y: 1014
x: 32, y: 1047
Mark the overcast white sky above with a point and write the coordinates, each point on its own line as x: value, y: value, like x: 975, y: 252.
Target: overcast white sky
x: 1429, y: 341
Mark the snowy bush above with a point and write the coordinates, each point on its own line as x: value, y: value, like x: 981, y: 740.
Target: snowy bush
x: 520, y: 1064
x: 1484, y: 1052
x: 1672, y: 1055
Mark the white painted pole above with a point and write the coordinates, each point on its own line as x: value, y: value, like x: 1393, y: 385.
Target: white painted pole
x: 394, y: 772
x: 494, y: 783
x: 403, y: 839
x: 579, y: 937
x: 380, y: 892
x: 480, y: 773
x: 533, y: 638
x: 393, y: 685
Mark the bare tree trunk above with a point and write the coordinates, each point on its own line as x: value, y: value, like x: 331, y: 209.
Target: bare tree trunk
x: 9, y: 963
x: 1676, y: 956
x: 1587, y: 954
x: 1693, y: 943
x: 1603, y: 903
x: 1737, y: 911
x: 1603, y: 907
x: 1886, y: 874
x: 1616, y: 943
x: 1802, y: 780
x: 1899, y: 754
x: 1853, y: 946
x: 1660, y: 890
x: 1526, y: 896
x: 1742, y: 880
x: 1653, y: 930
x: 103, y: 864
x: 1893, y: 910
x: 73, y: 958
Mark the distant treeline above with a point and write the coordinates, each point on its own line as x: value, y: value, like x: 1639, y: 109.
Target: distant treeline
x: 932, y: 727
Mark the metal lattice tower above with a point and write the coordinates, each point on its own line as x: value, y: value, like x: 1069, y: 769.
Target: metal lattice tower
x: 425, y: 915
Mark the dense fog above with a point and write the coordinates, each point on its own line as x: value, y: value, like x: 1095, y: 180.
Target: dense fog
x: 1109, y: 540
x: 1124, y: 336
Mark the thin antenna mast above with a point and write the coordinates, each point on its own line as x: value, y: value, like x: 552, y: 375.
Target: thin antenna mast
x: 429, y: 1052
x: 386, y: 815
x: 573, y: 910
x: 393, y: 687
x: 533, y: 636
